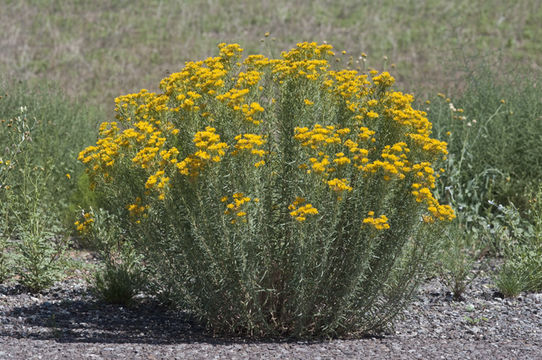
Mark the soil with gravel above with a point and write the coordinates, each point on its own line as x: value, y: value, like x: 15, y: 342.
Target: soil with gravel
x: 67, y: 322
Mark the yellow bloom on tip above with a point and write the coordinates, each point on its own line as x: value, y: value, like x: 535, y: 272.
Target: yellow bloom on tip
x: 300, y: 212
x: 85, y: 225
x: 341, y: 159
x: 68, y: 176
x: 379, y: 223
x: 372, y: 115
x: 308, y: 102
x: 339, y: 185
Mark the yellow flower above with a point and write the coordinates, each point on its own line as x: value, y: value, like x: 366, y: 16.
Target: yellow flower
x: 300, y: 212
x: 379, y: 223
x: 84, y: 226
x: 372, y: 115
x: 339, y: 185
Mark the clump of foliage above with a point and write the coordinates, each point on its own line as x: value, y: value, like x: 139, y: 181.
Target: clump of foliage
x: 522, y: 270
x: 494, y: 130
x: 122, y: 273
x: 458, y: 254
x: 275, y: 197
x: 38, y: 132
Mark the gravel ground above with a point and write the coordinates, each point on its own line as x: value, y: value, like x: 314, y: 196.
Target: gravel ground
x: 66, y: 322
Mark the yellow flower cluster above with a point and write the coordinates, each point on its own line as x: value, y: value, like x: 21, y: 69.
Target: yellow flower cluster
x: 104, y: 153
x: 236, y: 206
x: 379, y: 223
x: 252, y: 142
x: 384, y: 79
x: 348, y: 86
x: 137, y: 209
x: 339, y: 185
x: 395, y: 165
x: 209, y: 145
x: 320, y: 166
x: 85, y: 225
x: 159, y: 181
x: 421, y: 189
x: 230, y: 52
x: 341, y: 159
x: 235, y: 99
x: 437, y: 211
x: 306, y: 61
x: 319, y: 135
x: 210, y: 149
x: 307, y: 51
x: 153, y: 131
x: 300, y: 212
x: 202, y: 77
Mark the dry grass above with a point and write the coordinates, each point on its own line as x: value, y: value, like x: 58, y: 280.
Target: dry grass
x: 100, y: 49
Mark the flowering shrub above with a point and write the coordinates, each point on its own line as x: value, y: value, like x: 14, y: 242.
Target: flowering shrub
x: 274, y: 196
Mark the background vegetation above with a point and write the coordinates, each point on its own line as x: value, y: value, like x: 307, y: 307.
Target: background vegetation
x: 100, y: 49
x: 485, y: 57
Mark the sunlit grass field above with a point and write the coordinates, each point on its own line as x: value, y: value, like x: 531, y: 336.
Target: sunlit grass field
x: 98, y: 50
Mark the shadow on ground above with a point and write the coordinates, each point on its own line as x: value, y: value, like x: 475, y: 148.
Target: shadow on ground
x: 77, y: 317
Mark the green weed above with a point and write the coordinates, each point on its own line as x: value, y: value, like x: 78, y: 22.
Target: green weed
x: 38, y: 130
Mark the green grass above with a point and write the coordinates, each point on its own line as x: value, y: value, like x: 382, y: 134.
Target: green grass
x: 495, y: 144
x: 56, y: 129
x: 98, y: 50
